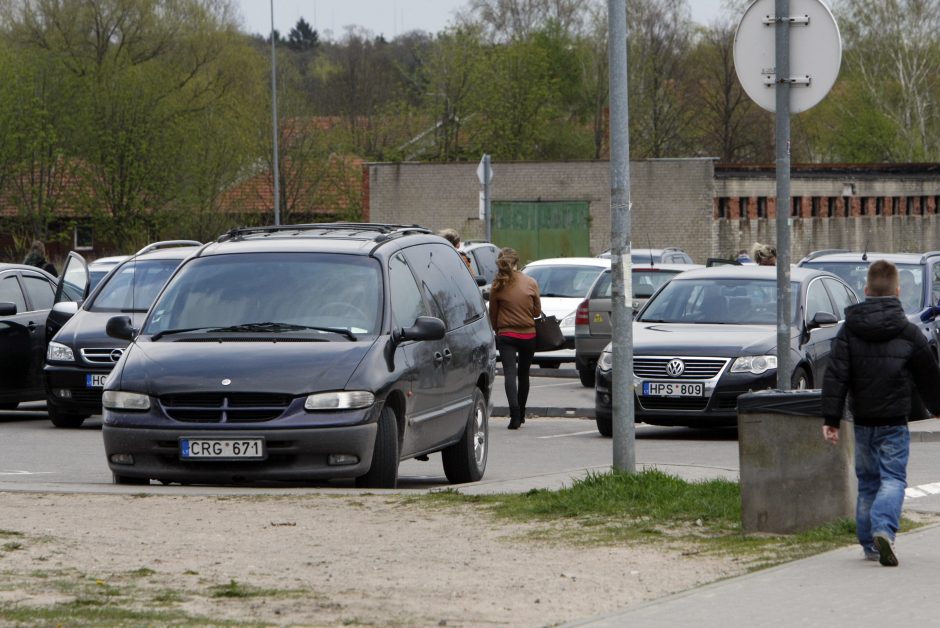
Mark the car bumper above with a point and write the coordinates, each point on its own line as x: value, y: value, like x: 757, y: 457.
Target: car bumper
x: 718, y: 409
x: 67, y: 388
x: 291, y: 454
x: 588, y: 349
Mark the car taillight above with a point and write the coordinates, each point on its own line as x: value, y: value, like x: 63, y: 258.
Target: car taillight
x: 581, y: 315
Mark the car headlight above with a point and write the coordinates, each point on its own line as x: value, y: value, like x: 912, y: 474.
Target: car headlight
x: 339, y: 400
x: 120, y: 400
x: 58, y: 352
x: 606, y: 361
x: 754, y: 364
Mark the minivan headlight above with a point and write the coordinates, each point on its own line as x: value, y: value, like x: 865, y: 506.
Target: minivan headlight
x: 58, y: 352
x: 121, y: 400
x: 754, y: 364
x: 339, y: 400
x: 606, y: 361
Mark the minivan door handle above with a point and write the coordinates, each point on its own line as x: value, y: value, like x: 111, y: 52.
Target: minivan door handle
x: 438, y: 358
x: 447, y: 355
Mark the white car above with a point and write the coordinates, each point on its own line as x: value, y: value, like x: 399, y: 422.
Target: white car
x: 563, y: 283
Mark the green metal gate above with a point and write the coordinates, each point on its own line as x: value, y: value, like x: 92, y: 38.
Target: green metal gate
x: 538, y: 230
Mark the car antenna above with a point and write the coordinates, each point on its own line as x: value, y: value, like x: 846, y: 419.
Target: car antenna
x: 649, y: 247
x: 865, y: 253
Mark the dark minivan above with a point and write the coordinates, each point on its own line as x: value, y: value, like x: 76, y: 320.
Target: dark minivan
x: 305, y: 352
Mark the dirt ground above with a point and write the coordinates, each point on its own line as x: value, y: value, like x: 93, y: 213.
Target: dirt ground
x: 316, y: 560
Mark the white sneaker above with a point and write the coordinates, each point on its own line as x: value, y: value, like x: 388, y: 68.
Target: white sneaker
x: 886, y: 555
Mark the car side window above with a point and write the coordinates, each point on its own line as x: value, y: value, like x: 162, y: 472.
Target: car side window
x: 10, y: 292
x: 486, y: 259
x: 40, y: 291
x: 444, y: 278
x: 817, y: 300
x: 407, y: 304
x: 842, y: 295
x: 935, y: 285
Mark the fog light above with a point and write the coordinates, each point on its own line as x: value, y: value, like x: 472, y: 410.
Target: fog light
x: 342, y: 459
x: 63, y: 393
x: 122, y: 458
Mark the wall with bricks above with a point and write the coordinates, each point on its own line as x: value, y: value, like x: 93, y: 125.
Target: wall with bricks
x: 672, y: 199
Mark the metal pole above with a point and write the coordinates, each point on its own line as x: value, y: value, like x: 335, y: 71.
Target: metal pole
x: 624, y: 430
x: 782, y: 54
x: 486, y: 198
x: 277, y: 174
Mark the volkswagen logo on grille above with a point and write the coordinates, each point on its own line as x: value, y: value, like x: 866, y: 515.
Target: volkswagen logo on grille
x: 675, y: 368
x: 116, y: 354
x: 226, y: 381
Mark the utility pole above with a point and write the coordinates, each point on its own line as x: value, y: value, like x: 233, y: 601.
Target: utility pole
x: 277, y: 174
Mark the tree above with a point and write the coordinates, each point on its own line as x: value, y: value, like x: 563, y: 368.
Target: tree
x: 302, y: 37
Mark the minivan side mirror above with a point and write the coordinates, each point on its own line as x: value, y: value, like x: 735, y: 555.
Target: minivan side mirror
x: 425, y: 328
x: 7, y: 308
x: 120, y: 327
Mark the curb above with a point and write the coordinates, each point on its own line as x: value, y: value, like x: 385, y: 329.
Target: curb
x: 545, y: 411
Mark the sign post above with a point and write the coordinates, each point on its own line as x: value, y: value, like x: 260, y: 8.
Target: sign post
x: 485, y: 175
x: 786, y: 70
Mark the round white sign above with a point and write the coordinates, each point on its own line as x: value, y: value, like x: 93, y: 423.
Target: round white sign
x: 815, y: 53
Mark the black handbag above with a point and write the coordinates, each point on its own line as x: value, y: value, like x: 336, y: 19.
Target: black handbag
x: 548, y: 336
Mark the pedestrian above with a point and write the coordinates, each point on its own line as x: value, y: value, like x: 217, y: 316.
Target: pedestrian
x: 453, y: 237
x: 764, y: 254
x: 879, y: 360
x: 37, y: 257
x: 742, y: 257
x: 514, y: 305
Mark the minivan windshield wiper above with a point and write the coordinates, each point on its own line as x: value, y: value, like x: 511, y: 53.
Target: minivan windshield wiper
x: 169, y: 332
x: 270, y: 327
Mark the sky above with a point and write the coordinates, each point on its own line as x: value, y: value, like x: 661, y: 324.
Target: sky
x: 383, y: 17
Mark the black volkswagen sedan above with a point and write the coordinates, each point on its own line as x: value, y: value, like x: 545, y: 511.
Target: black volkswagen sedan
x: 710, y: 335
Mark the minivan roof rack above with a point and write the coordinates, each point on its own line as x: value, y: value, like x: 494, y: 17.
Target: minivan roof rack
x: 166, y: 244
x: 821, y: 252
x: 385, y: 230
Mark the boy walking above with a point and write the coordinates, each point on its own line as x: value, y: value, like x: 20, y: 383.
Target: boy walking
x: 879, y: 357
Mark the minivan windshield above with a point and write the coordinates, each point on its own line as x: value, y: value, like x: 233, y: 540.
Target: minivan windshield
x: 134, y: 286
x: 272, y: 293
x: 718, y: 300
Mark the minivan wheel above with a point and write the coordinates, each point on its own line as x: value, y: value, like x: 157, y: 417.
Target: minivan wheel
x: 127, y: 480
x: 604, y: 426
x: 800, y: 380
x: 384, y: 470
x: 466, y: 460
x: 64, y: 419
x: 587, y: 376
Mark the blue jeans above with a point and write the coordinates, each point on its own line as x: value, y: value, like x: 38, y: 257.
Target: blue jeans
x: 881, y: 455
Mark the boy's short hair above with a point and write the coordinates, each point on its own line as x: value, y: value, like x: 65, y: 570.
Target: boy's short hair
x: 882, y: 279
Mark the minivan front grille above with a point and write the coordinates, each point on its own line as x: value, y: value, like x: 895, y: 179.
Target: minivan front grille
x: 224, y: 407
x: 108, y: 355
x: 693, y: 368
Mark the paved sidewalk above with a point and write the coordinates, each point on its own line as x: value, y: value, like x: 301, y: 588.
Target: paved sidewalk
x: 835, y: 589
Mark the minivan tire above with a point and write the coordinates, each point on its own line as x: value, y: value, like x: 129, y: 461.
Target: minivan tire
x: 465, y: 461
x: 605, y: 426
x: 588, y: 377
x: 65, y: 419
x: 384, y: 470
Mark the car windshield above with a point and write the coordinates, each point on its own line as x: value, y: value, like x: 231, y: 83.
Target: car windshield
x: 272, y: 293
x: 856, y: 273
x: 718, y: 300
x: 134, y: 286
x: 564, y: 280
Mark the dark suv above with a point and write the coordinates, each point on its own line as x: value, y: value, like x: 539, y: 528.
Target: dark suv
x: 305, y: 352
x: 81, y: 354
x: 919, y: 275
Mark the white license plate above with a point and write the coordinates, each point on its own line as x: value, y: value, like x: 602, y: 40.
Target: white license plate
x: 673, y: 389
x: 222, y: 448
x: 95, y: 380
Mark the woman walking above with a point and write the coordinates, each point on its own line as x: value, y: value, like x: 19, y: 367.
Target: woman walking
x: 514, y: 304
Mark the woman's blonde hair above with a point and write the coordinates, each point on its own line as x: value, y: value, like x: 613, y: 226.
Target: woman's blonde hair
x: 506, y: 263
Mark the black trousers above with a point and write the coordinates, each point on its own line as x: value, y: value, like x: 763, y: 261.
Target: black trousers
x: 516, y: 356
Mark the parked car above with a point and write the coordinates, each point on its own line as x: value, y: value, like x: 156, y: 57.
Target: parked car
x: 919, y: 275
x: 304, y: 352
x: 81, y: 354
x: 592, y: 324
x: 482, y: 258
x: 667, y: 255
x: 26, y: 296
x: 563, y: 284
x: 710, y: 335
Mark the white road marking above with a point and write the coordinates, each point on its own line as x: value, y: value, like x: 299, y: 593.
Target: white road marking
x: 566, y: 435
x: 27, y: 472
x: 913, y: 492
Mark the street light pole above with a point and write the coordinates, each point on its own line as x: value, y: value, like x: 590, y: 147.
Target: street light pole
x: 277, y: 175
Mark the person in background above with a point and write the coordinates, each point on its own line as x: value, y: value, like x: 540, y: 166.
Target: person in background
x: 514, y: 305
x: 764, y: 254
x: 743, y: 258
x: 37, y: 257
x: 881, y: 362
x: 453, y: 237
